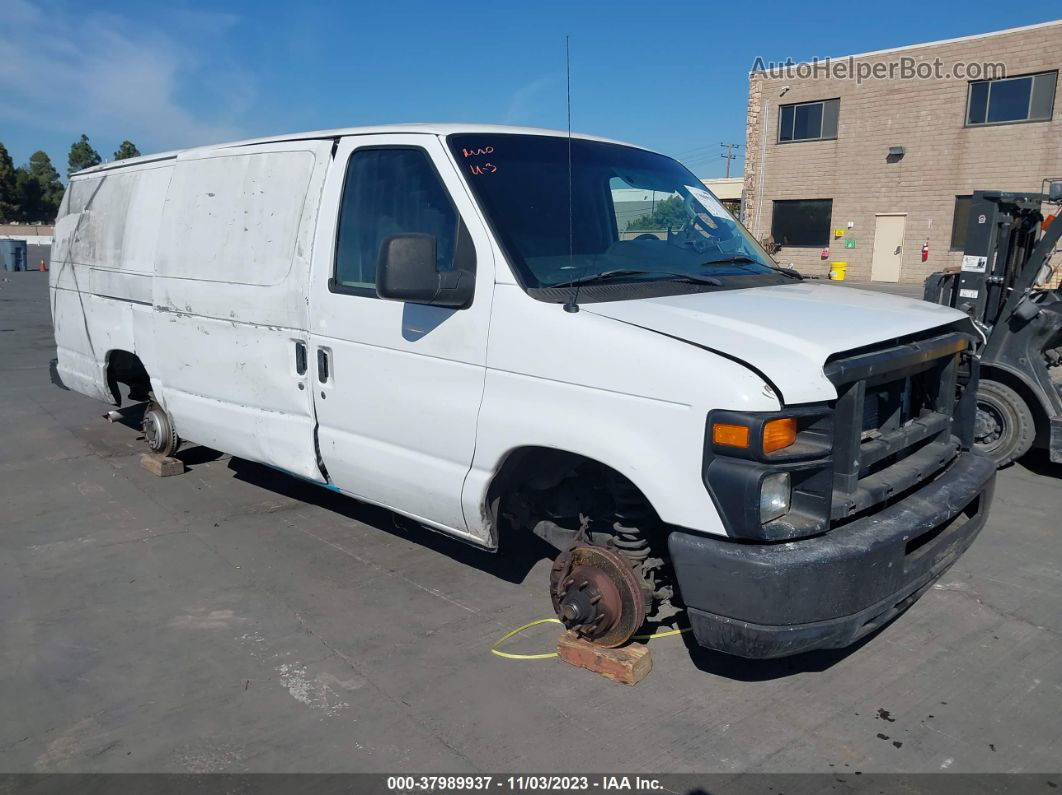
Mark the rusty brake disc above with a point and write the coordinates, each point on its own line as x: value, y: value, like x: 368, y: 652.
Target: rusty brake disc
x: 597, y: 594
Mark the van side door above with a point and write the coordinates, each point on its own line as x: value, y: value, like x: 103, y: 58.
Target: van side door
x: 230, y: 305
x: 397, y: 386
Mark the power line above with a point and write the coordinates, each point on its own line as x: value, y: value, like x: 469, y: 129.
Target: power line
x: 701, y: 158
x: 688, y: 152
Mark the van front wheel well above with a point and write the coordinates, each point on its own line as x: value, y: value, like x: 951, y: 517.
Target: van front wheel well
x: 553, y: 494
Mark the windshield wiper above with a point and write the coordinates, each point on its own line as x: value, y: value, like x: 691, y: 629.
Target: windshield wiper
x: 618, y: 273
x: 739, y: 258
x: 734, y: 258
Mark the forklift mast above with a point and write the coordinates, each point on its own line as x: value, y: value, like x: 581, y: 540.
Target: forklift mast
x: 1001, y: 234
x: 1008, y: 244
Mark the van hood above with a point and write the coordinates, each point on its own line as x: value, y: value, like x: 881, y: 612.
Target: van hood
x: 787, y: 331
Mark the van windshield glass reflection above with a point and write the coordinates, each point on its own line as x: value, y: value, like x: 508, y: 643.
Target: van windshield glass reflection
x: 635, y: 215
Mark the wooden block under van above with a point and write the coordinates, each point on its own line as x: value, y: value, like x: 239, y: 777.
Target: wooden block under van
x: 162, y: 465
x: 628, y: 665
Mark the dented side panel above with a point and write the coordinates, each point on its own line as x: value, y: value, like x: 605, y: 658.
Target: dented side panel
x: 230, y: 300
x: 101, y: 275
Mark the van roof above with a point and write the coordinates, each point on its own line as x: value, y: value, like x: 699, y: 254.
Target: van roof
x: 382, y: 129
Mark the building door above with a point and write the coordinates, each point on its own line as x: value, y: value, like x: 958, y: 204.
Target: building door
x: 888, y: 248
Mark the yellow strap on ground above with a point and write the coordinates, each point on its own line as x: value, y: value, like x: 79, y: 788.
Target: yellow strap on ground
x: 665, y: 634
x: 509, y: 655
x: 547, y: 655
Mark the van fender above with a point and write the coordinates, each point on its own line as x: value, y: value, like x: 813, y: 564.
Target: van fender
x: 656, y: 444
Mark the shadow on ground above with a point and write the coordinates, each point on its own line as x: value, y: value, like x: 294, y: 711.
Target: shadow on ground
x: 1039, y: 463
x: 131, y: 416
x: 512, y: 563
x: 198, y: 454
x: 741, y: 670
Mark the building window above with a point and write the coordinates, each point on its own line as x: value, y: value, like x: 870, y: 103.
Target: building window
x: 808, y: 121
x: 1013, y: 99
x: 733, y: 206
x: 802, y: 222
x: 959, y: 221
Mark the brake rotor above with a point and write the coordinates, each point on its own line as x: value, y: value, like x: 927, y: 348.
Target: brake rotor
x: 597, y: 595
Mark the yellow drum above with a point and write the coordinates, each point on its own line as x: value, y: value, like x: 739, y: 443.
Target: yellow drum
x: 838, y: 270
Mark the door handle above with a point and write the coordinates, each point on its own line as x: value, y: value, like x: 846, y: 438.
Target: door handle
x: 300, y: 358
x: 322, y: 365
x: 898, y: 250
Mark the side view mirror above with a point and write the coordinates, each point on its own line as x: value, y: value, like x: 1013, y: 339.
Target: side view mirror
x: 406, y: 271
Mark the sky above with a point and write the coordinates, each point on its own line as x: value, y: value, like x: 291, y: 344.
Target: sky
x: 669, y: 76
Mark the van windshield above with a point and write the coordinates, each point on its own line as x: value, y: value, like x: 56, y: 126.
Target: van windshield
x: 636, y: 216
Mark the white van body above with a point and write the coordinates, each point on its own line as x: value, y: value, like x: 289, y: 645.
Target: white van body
x: 209, y: 268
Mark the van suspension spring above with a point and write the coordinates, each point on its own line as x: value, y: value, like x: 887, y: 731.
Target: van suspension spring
x: 633, y: 517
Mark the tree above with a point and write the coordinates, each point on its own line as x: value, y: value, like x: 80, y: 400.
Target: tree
x: 668, y: 214
x: 8, y: 187
x: 126, y: 150
x: 52, y: 190
x: 39, y: 189
x: 82, y: 155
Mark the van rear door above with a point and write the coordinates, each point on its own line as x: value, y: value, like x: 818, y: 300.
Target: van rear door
x: 397, y: 385
x: 230, y: 300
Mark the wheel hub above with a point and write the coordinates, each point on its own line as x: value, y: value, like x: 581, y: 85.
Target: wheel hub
x: 597, y: 595
x: 989, y: 424
x: 581, y: 597
x: 153, y: 432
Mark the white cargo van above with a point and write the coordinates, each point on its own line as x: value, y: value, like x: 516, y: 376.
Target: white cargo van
x: 496, y: 330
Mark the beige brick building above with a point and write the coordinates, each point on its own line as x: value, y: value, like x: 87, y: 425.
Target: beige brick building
x: 885, y: 162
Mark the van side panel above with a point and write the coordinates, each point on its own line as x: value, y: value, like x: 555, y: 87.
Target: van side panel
x: 102, y: 265
x: 230, y: 300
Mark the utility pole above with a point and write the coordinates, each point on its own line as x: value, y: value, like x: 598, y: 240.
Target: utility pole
x: 729, y: 155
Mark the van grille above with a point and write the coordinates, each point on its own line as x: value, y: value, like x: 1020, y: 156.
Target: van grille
x: 893, y: 423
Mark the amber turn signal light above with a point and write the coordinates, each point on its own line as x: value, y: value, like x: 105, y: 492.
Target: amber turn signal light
x: 730, y: 435
x: 779, y: 434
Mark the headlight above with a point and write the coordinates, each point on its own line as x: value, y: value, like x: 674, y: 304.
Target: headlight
x: 775, y: 492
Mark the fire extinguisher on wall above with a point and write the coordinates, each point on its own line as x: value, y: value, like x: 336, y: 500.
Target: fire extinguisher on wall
x: 925, y: 250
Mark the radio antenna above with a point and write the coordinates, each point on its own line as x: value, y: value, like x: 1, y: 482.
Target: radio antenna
x: 573, y: 302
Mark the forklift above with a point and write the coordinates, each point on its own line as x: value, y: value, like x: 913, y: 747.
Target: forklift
x: 1009, y: 244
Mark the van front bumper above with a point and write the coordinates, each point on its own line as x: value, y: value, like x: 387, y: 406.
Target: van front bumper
x: 760, y: 600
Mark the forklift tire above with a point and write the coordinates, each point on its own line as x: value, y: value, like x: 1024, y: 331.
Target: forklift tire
x: 1004, y: 428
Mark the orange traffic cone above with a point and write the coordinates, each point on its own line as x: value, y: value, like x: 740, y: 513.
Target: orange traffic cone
x: 42, y: 268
